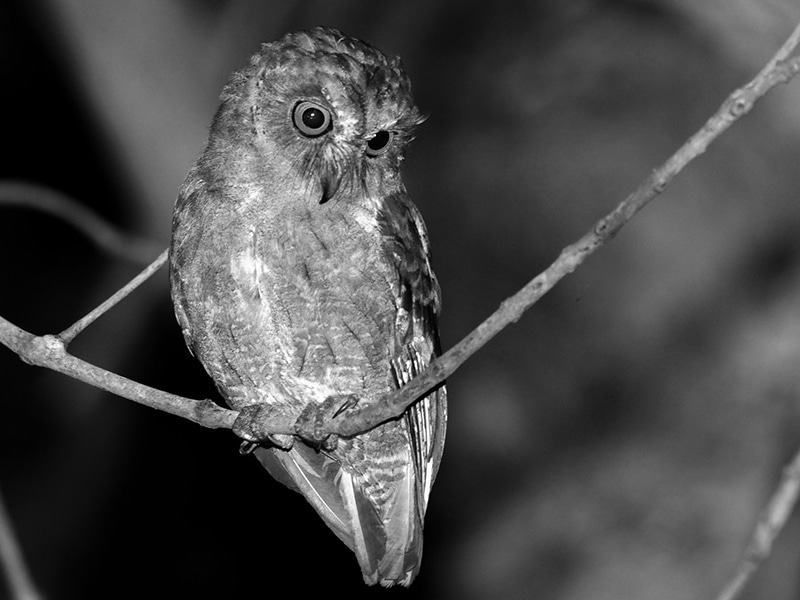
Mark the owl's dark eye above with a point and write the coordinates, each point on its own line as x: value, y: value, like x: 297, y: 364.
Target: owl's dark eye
x: 311, y: 119
x: 379, y: 143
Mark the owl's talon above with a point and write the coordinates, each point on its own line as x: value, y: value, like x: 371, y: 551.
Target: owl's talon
x: 329, y: 443
x: 256, y: 423
x: 350, y: 401
x: 247, y: 447
x: 315, y: 419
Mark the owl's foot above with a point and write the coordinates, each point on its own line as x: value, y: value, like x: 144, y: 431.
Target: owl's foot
x: 257, y: 423
x: 315, y: 418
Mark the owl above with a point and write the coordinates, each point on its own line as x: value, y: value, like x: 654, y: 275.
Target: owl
x: 300, y: 273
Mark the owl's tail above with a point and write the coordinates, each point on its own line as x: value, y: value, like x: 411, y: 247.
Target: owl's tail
x: 387, y: 542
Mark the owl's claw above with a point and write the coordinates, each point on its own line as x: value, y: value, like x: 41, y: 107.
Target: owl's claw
x: 256, y: 423
x: 345, y: 403
x: 247, y: 447
x: 314, y: 419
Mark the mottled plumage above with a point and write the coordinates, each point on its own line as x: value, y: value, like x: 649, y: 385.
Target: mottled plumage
x: 300, y: 271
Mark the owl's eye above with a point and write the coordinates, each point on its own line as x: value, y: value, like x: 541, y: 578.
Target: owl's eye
x: 311, y: 119
x: 379, y: 143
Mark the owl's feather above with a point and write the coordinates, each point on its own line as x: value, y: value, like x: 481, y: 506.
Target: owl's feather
x: 300, y: 270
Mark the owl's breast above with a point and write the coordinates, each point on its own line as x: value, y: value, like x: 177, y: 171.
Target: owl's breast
x: 324, y: 290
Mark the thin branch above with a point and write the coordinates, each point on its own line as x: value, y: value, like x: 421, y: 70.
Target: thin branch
x: 73, y: 330
x: 769, y: 525
x: 12, y: 561
x: 318, y: 421
x: 362, y: 418
x: 102, y: 234
x: 50, y: 352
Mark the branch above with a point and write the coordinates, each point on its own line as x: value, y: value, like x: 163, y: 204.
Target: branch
x: 780, y: 69
x: 769, y: 525
x: 73, y: 330
x: 50, y: 351
x: 318, y: 422
x: 102, y: 234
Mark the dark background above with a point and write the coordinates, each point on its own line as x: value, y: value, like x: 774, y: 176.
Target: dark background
x: 617, y: 442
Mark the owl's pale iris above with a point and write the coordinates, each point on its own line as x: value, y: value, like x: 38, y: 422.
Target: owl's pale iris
x: 311, y: 119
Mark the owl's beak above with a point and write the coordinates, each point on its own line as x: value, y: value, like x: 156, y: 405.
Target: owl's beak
x: 330, y: 179
x: 330, y: 185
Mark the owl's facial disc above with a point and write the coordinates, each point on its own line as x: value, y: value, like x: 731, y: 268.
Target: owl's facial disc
x: 314, y: 119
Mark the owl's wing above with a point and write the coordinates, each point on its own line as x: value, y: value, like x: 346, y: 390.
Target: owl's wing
x: 426, y: 421
x: 416, y: 334
x: 318, y: 478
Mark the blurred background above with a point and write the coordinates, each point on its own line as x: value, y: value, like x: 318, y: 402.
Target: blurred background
x: 618, y: 442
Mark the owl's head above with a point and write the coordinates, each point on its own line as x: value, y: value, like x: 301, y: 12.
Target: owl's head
x: 318, y: 107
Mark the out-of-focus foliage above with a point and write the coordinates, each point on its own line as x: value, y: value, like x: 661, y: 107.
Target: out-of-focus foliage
x: 616, y: 443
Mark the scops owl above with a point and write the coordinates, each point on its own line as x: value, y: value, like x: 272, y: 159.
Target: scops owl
x: 300, y: 272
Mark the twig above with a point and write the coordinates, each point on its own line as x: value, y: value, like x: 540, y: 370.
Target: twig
x: 12, y: 561
x: 49, y: 351
x: 769, y: 525
x: 102, y: 234
x: 362, y: 418
x: 73, y: 330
